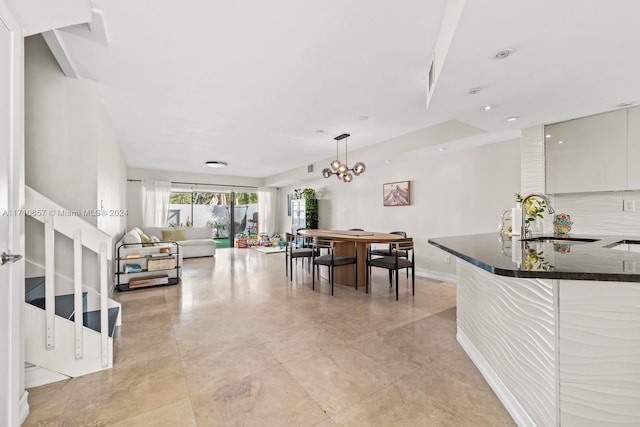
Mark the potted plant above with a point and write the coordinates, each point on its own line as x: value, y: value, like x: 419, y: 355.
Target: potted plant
x: 311, y: 207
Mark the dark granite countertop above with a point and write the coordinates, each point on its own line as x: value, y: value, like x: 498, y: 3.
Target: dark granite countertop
x: 558, y: 259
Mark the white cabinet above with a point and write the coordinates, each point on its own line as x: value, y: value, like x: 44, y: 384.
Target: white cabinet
x: 588, y: 154
x: 633, y: 153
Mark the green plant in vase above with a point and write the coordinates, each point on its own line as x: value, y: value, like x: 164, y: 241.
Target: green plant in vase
x: 534, y: 209
x: 311, y: 207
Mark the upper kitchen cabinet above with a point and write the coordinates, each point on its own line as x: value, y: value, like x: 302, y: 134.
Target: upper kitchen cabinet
x: 588, y: 154
x: 633, y: 153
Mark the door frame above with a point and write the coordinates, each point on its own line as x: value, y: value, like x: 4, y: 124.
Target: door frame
x: 17, y: 405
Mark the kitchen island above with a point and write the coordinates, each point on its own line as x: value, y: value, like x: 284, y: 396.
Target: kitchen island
x: 553, y: 325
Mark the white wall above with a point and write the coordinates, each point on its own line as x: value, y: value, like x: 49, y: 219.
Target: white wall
x: 72, y: 155
x: 452, y: 193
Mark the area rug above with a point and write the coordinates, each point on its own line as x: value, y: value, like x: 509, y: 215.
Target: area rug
x: 269, y: 249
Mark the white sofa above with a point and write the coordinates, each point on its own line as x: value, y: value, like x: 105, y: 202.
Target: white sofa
x: 198, y: 241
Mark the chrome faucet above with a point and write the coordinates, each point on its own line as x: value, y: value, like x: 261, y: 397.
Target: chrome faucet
x: 523, y: 230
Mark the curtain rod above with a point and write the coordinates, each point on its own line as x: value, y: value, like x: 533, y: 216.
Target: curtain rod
x: 200, y: 183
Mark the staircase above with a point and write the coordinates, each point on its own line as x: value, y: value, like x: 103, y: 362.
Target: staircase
x: 68, y: 334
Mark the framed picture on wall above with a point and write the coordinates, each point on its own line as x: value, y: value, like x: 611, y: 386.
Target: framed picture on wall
x: 396, y: 193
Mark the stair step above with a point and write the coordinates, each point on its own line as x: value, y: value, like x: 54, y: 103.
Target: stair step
x: 64, y: 304
x: 34, y: 294
x: 33, y: 288
x: 92, y: 320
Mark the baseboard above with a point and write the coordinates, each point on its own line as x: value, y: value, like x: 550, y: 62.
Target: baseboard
x: 35, y: 376
x: 443, y: 277
x: 23, y: 410
x: 501, y: 390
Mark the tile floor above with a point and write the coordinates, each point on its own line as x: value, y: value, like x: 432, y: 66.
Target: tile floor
x: 237, y: 344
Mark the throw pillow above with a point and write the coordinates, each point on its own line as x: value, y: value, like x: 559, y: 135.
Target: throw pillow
x: 132, y: 237
x: 146, y: 240
x: 173, y: 235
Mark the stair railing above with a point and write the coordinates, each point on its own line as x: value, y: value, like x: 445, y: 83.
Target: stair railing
x: 83, y: 234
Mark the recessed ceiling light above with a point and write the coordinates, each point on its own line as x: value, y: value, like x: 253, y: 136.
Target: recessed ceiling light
x: 547, y: 136
x: 560, y: 142
x: 487, y: 107
x: 442, y: 148
x: 320, y: 131
x: 512, y: 119
x: 474, y: 90
x: 363, y: 118
x: 624, y: 104
x: 503, y: 53
x: 216, y: 164
x: 387, y: 161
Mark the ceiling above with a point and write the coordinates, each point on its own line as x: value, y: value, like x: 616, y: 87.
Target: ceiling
x: 265, y: 86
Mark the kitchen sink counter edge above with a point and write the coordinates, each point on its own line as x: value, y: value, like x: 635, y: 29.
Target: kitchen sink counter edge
x: 572, y: 257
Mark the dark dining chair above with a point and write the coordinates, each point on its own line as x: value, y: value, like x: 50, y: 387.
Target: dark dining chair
x: 394, y: 263
x: 330, y: 259
x: 390, y: 251
x: 295, y: 249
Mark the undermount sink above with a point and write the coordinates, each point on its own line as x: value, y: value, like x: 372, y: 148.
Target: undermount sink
x: 560, y: 239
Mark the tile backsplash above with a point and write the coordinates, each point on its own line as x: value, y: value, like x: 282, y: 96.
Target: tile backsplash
x: 598, y: 213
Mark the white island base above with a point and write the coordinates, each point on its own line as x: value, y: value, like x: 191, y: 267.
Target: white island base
x: 556, y: 352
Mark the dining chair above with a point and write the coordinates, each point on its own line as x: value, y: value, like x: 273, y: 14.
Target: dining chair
x: 330, y: 259
x: 389, y: 251
x: 394, y: 263
x: 294, y: 249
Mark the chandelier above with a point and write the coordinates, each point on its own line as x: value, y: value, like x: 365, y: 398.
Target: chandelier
x: 342, y: 170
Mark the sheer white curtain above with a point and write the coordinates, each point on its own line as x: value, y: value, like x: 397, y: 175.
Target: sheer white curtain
x: 267, y: 210
x: 155, y: 202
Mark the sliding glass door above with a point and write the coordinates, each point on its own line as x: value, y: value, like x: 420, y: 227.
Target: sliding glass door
x: 228, y: 214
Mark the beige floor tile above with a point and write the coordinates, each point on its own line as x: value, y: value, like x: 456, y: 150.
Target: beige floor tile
x: 334, y: 381
x: 399, y: 404
x: 212, y: 364
x: 47, y: 403
x: 267, y: 398
x: 110, y: 396
x: 327, y: 423
x: 454, y: 381
x: 130, y: 349
x: 178, y: 414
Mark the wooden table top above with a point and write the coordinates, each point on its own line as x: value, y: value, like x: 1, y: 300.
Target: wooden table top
x: 351, y: 236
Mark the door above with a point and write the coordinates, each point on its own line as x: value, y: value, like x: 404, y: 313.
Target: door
x: 11, y: 220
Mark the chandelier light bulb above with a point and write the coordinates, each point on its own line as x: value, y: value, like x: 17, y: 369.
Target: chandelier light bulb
x: 326, y: 172
x: 343, y: 168
x: 347, y: 177
x: 340, y: 175
x: 358, y: 168
x: 335, y: 164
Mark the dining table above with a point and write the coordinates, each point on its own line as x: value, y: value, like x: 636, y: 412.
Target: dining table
x: 347, y: 243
